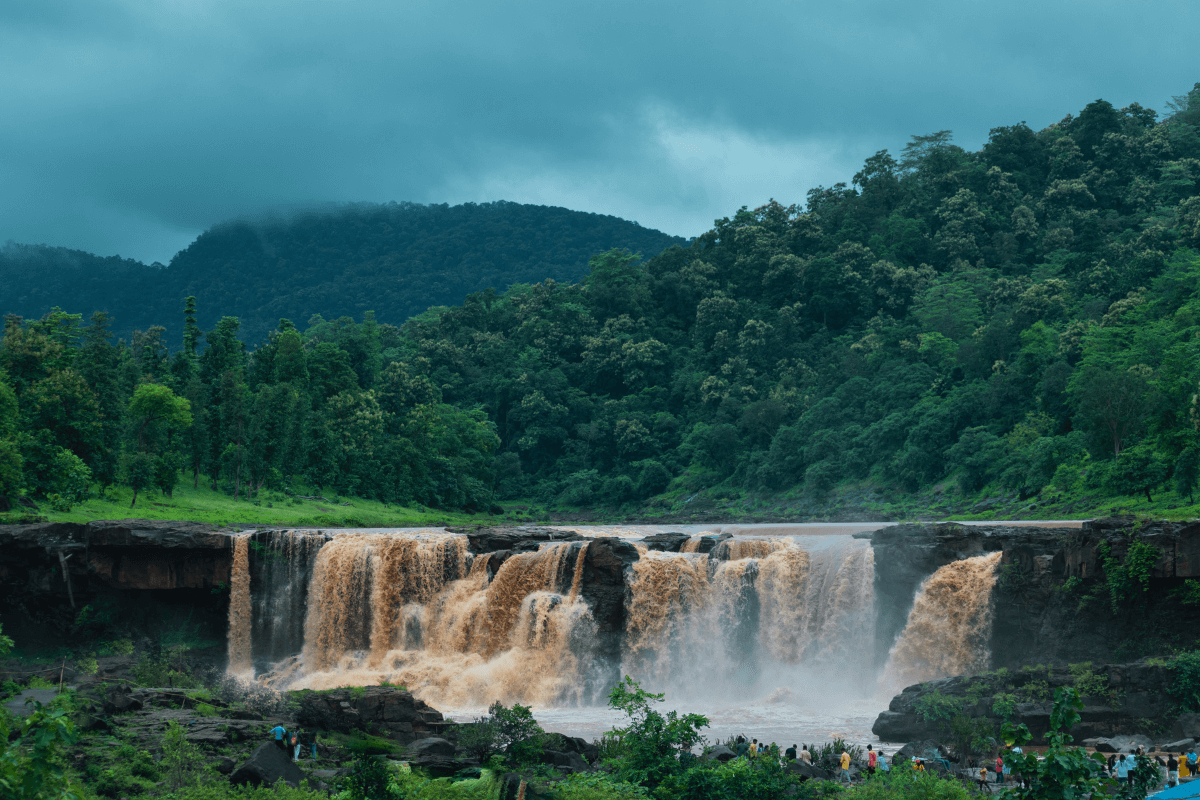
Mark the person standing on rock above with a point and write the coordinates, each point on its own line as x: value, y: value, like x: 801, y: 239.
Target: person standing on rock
x: 846, y: 765
x: 806, y: 756
x: 1122, y: 770
x: 790, y: 753
x: 742, y: 748
x: 1172, y: 770
x: 1191, y: 761
x: 280, y: 734
x: 872, y: 760
x: 984, y: 786
x: 883, y: 762
x: 999, y: 771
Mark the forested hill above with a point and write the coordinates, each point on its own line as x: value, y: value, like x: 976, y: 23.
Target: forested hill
x: 1021, y: 320
x: 397, y: 259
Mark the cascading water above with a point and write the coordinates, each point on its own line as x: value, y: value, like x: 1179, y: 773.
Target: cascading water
x: 421, y: 611
x: 751, y: 614
x: 279, y: 571
x: 239, y: 607
x: 771, y: 627
x: 949, y: 625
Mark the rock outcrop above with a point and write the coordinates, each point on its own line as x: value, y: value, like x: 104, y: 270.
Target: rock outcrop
x: 383, y: 710
x: 1036, y: 620
x: 265, y: 766
x: 1125, y: 699
x: 121, y: 554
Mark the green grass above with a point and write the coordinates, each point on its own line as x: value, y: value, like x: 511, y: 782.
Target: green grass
x: 204, y: 505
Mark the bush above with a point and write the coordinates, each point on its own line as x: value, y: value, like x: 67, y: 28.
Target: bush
x: 368, y: 780
x: 905, y: 784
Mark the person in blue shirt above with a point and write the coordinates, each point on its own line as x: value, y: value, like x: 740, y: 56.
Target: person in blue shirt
x: 281, y: 737
x: 1191, y: 761
x: 1122, y: 770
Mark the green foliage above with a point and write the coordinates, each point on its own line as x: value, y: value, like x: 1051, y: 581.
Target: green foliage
x: 1004, y: 705
x: 368, y: 779
x: 655, y: 743
x: 937, y: 707
x: 1185, y: 685
x: 905, y: 784
x: 1087, y: 682
x: 6, y: 643
x: 1020, y: 319
x: 755, y: 779
x: 1188, y: 593
x: 1064, y: 773
x: 30, y: 761
x: 1128, y: 578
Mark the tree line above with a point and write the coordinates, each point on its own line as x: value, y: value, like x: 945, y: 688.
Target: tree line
x: 338, y: 406
x: 1023, y: 316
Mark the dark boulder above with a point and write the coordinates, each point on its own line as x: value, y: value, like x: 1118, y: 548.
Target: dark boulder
x: 120, y: 699
x: 1186, y: 727
x: 719, y: 753
x: 225, y: 765
x: 807, y: 771
x: 382, y: 710
x: 433, y: 746
x: 523, y: 539
x: 571, y: 744
x: 925, y: 748
x: 1181, y: 746
x: 1123, y: 744
x: 670, y: 542
x: 265, y: 766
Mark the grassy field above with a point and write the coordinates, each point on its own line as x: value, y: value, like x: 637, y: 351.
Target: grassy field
x: 270, y: 508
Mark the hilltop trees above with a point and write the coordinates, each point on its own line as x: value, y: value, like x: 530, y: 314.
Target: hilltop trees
x: 1015, y: 318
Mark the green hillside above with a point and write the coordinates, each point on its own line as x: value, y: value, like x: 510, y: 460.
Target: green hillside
x: 397, y: 259
x: 1021, y: 322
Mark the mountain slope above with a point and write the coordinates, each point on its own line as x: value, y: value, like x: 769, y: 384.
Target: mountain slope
x: 396, y: 259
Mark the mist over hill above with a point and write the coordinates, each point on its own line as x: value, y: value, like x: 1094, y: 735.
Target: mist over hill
x: 397, y: 259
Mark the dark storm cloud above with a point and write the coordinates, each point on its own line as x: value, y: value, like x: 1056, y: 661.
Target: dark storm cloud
x: 130, y: 127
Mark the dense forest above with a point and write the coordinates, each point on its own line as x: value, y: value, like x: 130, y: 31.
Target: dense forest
x: 1022, y: 316
x: 398, y: 259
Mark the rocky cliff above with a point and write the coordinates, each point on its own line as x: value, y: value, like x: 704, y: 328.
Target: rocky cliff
x: 1040, y: 618
x: 1119, y: 699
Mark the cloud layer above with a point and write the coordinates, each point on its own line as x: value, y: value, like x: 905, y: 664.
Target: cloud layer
x: 129, y: 127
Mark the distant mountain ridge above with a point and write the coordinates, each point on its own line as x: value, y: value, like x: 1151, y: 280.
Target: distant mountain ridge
x: 396, y: 259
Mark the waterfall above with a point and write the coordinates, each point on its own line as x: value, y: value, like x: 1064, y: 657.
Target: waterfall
x: 949, y: 626
x: 419, y: 610
x: 239, y: 607
x: 750, y: 615
x: 280, y: 571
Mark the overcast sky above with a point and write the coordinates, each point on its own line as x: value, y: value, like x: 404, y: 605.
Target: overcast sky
x: 129, y: 127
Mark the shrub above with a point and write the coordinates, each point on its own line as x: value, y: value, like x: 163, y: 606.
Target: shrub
x: 368, y: 780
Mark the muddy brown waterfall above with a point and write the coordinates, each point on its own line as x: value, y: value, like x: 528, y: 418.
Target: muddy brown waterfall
x: 422, y: 611
x: 239, y: 607
x: 949, y: 625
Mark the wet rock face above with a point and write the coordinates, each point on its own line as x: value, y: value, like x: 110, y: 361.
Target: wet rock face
x: 1134, y: 693
x: 905, y: 555
x: 518, y: 540
x: 383, y: 710
x: 119, y: 554
x: 1034, y: 622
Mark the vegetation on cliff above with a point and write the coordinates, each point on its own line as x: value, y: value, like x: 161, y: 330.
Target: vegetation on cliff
x: 1020, y: 321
